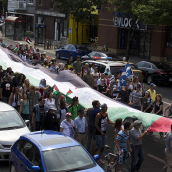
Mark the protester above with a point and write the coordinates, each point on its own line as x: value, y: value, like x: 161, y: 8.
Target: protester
x: 100, y: 124
x: 125, y: 93
x: 24, y: 107
x: 108, y: 72
x: 49, y: 121
x: 116, y: 91
x: 136, y: 97
x: 100, y: 80
x: 11, y: 73
x: 168, y: 152
x: 95, y: 76
x: 68, y: 64
x: 158, y: 108
x: 6, y: 89
x: 14, y: 81
x: 26, y: 85
x: 50, y: 101
x: 122, y: 141
x: 107, y: 79
x: 170, y: 110
x: 24, y: 56
x: 86, y: 67
x: 54, y: 68
x: 45, y: 64
x: 146, y: 103
x: 73, y: 109
x: 60, y: 67
x: 43, y: 88
x: 80, y: 123
x: 67, y: 126
x: 88, y: 78
x: 136, y: 82
x: 136, y: 146
x: 28, y: 60
x: 90, y: 128
x: 14, y: 99
x: 152, y: 92
x: 83, y: 71
x: 39, y: 111
x: 77, y: 65
x: 20, y: 79
x: 93, y: 68
x: 102, y: 88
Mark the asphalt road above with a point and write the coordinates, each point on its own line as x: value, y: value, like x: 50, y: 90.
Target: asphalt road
x: 153, y: 146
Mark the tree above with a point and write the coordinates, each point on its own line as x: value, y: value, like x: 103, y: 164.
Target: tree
x: 155, y: 12
x: 4, y: 3
x: 125, y: 7
x: 80, y: 10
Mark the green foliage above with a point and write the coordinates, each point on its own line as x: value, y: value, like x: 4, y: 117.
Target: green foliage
x: 3, y: 3
x: 155, y: 12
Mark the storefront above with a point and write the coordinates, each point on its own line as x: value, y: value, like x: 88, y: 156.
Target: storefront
x: 15, y: 27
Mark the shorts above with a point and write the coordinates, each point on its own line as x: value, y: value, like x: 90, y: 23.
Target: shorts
x: 101, y: 141
x: 121, y: 158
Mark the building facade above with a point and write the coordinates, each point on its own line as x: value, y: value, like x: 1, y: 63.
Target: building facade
x: 149, y: 41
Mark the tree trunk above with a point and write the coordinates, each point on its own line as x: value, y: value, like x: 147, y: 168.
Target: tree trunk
x: 77, y: 33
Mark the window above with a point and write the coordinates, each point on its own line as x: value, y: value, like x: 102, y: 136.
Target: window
x: 66, y: 46
x: 133, y: 66
x: 40, y: 2
x: 140, y: 64
x: 115, y: 69
x: 169, y: 36
x: 30, y: 1
x: 71, y: 47
x: 147, y: 65
x: 40, y: 20
x: 65, y: 28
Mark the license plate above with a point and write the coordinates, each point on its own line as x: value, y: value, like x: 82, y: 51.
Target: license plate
x: 170, y: 79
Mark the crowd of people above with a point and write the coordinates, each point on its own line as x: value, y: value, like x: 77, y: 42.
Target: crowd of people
x: 48, y: 112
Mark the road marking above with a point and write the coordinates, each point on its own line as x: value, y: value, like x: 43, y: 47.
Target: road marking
x: 166, y: 102
x: 156, y: 158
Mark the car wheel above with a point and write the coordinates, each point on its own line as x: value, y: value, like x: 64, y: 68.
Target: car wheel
x: 12, y: 168
x: 57, y: 55
x: 71, y: 58
x: 149, y: 79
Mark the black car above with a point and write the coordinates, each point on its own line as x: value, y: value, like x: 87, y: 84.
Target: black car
x: 157, y: 72
x: 96, y: 55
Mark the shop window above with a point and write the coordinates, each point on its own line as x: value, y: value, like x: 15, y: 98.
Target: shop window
x: 30, y: 1
x: 9, y: 28
x: 40, y: 20
x: 40, y: 2
x: 65, y: 28
x: 169, y: 36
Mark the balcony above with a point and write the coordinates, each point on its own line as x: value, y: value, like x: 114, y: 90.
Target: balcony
x: 16, y: 5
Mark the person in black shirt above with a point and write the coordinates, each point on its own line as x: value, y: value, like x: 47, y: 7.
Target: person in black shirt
x: 102, y: 88
x: 50, y: 121
x: 6, y: 89
x: 14, y: 81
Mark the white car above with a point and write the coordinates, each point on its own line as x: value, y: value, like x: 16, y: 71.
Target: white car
x: 12, y: 127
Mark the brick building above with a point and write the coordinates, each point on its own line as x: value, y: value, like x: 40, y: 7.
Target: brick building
x: 149, y: 41
x: 56, y: 22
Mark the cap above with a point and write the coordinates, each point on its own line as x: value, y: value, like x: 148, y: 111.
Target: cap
x: 138, y: 86
x: 121, y: 70
x: 146, y: 92
x: 68, y: 114
x: 102, y: 105
x: 137, y: 122
x: 152, y: 85
x: 52, y: 108
x: 53, y: 59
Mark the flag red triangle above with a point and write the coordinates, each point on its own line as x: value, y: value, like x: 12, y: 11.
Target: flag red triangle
x: 56, y: 88
x: 26, y: 39
x: 69, y: 92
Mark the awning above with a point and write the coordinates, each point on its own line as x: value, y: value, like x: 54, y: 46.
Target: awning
x: 14, y: 19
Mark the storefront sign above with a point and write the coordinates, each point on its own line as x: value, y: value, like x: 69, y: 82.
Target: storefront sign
x: 50, y: 13
x: 124, y: 22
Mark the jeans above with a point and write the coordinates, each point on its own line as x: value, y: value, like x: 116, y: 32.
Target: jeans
x: 89, y: 138
x: 137, y: 151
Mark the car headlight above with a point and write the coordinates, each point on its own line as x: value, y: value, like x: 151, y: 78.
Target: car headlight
x: 1, y: 147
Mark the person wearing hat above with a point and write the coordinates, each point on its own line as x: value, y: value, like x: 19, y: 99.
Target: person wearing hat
x: 53, y: 69
x: 50, y: 121
x: 77, y: 65
x: 152, y: 92
x: 146, y: 103
x: 67, y: 126
x: 81, y: 127
x: 136, y: 146
x: 136, y: 97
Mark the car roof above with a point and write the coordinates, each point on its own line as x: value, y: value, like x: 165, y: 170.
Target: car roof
x: 48, y: 139
x: 5, y: 107
x: 105, y: 62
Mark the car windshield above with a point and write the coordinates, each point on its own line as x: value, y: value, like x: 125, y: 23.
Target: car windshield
x: 10, y: 120
x: 67, y: 159
x: 115, y: 69
x: 163, y: 66
x: 81, y: 47
x: 133, y: 66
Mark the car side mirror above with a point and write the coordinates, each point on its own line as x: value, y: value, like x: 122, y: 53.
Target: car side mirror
x: 96, y: 157
x: 27, y: 122
x: 35, y: 168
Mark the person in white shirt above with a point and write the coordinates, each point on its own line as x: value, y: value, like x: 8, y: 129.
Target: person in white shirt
x: 49, y: 101
x: 80, y: 126
x: 93, y: 68
x: 24, y: 56
x: 63, y: 109
x: 67, y: 126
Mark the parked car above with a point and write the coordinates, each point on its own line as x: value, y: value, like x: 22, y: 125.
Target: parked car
x: 156, y: 72
x: 136, y: 71
x: 47, y: 151
x: 102, y: 65
x: 96, y: 55
x: 70, y: 51
x: 12, y: 127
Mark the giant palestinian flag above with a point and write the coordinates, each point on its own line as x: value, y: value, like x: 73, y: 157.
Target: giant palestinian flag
x: 66, y: 83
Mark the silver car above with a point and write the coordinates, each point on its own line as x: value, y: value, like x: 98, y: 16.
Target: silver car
x: 12, y: 127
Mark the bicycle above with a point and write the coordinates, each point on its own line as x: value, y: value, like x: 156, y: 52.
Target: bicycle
x: 108, y: 166
x: 105, y: 49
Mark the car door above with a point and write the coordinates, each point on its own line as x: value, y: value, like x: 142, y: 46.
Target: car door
x: 147, y: 69
x: 69, y: 51
x: 29, y: 156
x: 63, y: 52
x: 140, y: 66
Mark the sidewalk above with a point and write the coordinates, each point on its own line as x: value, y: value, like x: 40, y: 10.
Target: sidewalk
x: 133, y: 59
